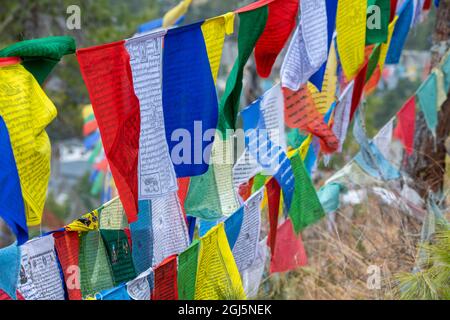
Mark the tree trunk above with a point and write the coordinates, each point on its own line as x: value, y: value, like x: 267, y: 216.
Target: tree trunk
x: 427, y: 164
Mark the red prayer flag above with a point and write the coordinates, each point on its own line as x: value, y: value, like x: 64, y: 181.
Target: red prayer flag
x: 128, y: 233
x: 372, y: 84
x: 427, y: 5
x: 289, y: 251
x: 254, y: 5
x: 406, y: 125
x: 89, y: 127
x: 5, y: 296
x: 183, y: 187
x: 166, y: 287
x: 102, y: 165
x: 301, y: 112
x: 67, y: 247
x: 358, y: 89
x: 107, y: 73
x: 393, y: 9
x: 245, y: 189
x: 280, y: 23
x: 273, y: 196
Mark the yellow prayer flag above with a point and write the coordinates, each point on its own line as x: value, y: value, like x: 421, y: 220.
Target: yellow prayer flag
x: 27, y: 111
x: 303, y: 149
x: 351, y: 35
x: 325, y: 98
x: 175, y: 13
x: 87, y: 222
x: 385, y: 46
x: 214, y: 31
x: 217, y: 276
x: 87, y: 111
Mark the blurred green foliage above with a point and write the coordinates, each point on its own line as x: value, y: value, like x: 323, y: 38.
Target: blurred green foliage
x: 102, y: 21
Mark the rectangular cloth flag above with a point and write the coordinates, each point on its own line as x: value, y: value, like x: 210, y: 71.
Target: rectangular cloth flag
x: 317, y: 79
x: 119, y: 254
x: 10, y: 261
x: 289, y: 251
x: 160, y: 232
x: 427, y: 98
x: 41, y: 55
x: 271, y: 104
x: 39, y: 277
x: 370, y: 159
x: 67, y: 245
x: 26, y: 110
x: 189, y: 99
x: 95, y: 269
x: 351, y: 35
x: 306, y: 208
x: 166, y: 280
x: 112, y: 215
x: 251, y: 26
x: 358, y: 89
x: 342, y: 115
x: 107, y: 73
x: 273, y: 194
x: 116, y: 293
x: 187, y: 271
x: 406, y: 124
x: 175, y: 13
x: 212, y: 195
x: 401, y: 30
x: 156, y: 174
x: 12, y: 208
x: 243, y: 235
x: 378, y: 17
x: 5, y: 296
x: 301, y: 112
x: 308, y: 49
x: 218, y: 276
x: 280, y: 23
x: 385, y: 46
x: 141, y: 287
x: 269, y: 155
x: 326, y: 96
x: 214, y: 31
x: 252, y: 277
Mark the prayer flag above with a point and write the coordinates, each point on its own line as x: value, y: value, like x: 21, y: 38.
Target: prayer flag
x: 107, y: 73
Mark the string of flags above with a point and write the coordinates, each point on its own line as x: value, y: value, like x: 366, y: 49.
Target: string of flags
x: 189, y: 221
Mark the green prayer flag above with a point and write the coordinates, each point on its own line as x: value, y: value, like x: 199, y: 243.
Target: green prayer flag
x: 119, y: 253
x: 373, y: 61
x: 40, y: 56
x: 295, y: 138
x: 378, y: 14
x: 98, y: 184
x: 251, y: 26
x: 210, y: 198
x: 89, y: 118
x: 258, y: 182
x: 98, y: 147
x: 305, y: 209
x: 187, y: 271
x: 95, y: 270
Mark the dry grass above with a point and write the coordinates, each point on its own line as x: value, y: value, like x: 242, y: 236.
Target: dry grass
x: 341, y: 252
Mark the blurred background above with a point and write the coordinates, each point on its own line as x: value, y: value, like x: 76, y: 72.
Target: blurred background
x: 370, y: 232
